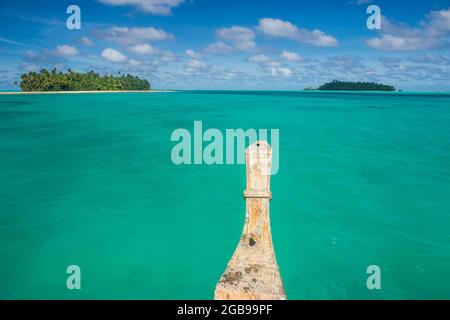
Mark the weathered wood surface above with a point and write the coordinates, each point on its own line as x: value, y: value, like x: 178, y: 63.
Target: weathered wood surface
x: 253, y: 272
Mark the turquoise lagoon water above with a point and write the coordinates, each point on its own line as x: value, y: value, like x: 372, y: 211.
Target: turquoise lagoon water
x: 88, y: 180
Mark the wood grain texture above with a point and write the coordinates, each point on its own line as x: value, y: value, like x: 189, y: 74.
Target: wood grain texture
x: 253, y: 272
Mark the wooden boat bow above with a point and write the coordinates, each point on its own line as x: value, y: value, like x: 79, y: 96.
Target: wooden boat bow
x: 253, y: 272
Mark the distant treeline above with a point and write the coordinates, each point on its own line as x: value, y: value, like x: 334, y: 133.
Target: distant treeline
x: 73, y: 81
x: 355, y: 86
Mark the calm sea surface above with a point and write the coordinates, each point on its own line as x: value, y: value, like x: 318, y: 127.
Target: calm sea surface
x: 88, y: 180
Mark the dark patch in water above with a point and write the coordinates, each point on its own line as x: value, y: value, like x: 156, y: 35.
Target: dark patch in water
x: 376, y: 107
x: 11, y: 113
x: 15, y: 102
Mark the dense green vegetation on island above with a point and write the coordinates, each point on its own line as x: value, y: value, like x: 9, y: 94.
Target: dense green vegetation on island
x: 73, y: 81
x: 355, y: 86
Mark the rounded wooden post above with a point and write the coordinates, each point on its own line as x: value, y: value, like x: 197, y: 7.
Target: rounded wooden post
x: 253, y: 273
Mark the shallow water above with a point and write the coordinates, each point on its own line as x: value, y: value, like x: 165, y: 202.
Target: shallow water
x: 88, y: 180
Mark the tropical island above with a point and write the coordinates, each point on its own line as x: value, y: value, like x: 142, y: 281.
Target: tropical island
x: 57, y: 81
x: 355, y: 86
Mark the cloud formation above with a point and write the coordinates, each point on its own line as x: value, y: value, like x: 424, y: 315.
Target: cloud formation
x: 155, y: 7
x: 290, y: 56
x: 113, y: 55
x: 66, y: 51
x: 133, y: 36
x: 86, y: 41
x: 192, y: 54
x: 432, y: 32
x: 271, y: 66
x: 241, y: 38
x: 196, y: 66
x: 144, y: 49
x: 47, y: 58
x: 267, y: 52
x: 277, y: 28
x: 232, y: 39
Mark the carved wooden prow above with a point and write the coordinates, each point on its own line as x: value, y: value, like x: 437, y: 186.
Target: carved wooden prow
x: 253, y: 272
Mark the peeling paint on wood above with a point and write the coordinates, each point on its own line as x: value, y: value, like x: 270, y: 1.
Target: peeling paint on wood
x: 253, y: 272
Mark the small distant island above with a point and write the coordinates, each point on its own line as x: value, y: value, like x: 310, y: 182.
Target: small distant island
x: 354, y: 86
x: 57, y: 81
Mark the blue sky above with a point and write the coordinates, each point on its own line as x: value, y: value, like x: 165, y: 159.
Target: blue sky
x: 218, y: 44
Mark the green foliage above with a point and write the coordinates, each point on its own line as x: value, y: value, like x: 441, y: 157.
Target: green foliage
x: 355, y: 86
x: 73, y: 81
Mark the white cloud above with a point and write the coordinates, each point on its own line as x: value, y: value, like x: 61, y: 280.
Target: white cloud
x: 144, y: 49
x: 440, y: 20
x: 196, y: 66
x: 133, y: 36
x: 156, y: 7
x: 113, y: 55
x: 134, y: 63
x: 241, y: 38
x: 168, y: 56
x: 347, y: 64
x: 230, y: 74
x: 432, y: 59
x: 433, y: 32
x: 219, y: 47
x: 232, y: 39
x: 271, y: 66
x: 284, y: 72
x: 290, y: 56
x: 66, y: 51
x: 397, y: 43
x: 192, y: 54
x: 86, y: 41
x: 277, y: 28
x: 148, y: 50
x: 260, y: 58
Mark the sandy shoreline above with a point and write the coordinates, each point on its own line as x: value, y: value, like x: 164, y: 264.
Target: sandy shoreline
x: 83, y: 92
